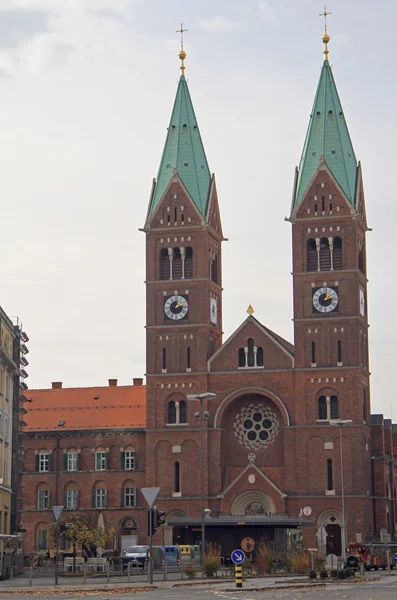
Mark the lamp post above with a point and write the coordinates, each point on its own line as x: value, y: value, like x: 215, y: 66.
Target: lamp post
x: 201, y: 397
x: 341, y: 423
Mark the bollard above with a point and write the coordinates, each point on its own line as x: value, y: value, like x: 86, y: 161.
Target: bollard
x: 85, y: 573
x: 165, y: 571
x: 181, y: 570
x: 362, y: 568
x: 388, y: 561
x: 108, y: 571
x: 129, y: 572
x: 30, y: 576
x: 239, y: 576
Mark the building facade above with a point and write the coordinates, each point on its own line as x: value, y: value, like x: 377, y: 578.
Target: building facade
x: 12, y: 375
x: 282, y: 414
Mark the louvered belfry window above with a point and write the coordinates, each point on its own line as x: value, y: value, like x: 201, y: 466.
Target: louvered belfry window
x: 311, y: 255
x: 177, y: 264
x: 325, y: 255
x: 165, y: 270
x: 338, y: 258
x: 188, y: 262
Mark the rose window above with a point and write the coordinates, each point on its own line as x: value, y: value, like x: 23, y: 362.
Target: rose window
x: 256, y: 426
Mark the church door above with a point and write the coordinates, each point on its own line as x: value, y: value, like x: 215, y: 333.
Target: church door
x: 334, y: 540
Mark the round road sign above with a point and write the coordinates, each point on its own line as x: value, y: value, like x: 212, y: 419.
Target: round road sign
x: 238, y: 557
x: 395, y: 559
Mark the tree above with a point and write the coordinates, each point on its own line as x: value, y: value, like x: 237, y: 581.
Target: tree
x: 83, y: 531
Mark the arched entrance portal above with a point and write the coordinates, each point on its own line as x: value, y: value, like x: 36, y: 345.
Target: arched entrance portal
x: 252, y: 503
x: 128, y: 533
x: 330, y: 522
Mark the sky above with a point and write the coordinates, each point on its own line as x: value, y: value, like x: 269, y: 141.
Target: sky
x: 86, y: 93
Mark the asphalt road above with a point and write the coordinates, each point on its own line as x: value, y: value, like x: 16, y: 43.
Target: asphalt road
x: 385, y: 589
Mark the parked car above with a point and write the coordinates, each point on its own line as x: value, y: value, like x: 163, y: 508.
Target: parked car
x: 140, y: 554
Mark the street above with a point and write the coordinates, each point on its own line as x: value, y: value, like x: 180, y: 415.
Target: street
x: 384, y: 588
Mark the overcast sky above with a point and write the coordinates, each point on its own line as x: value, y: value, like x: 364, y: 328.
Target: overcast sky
x: 86, y: 92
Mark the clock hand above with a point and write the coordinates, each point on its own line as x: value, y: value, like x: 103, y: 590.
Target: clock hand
x: 180, y: 303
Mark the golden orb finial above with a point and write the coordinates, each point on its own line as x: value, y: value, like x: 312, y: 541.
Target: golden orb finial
x: 250, y: 310
x: 182, y: 53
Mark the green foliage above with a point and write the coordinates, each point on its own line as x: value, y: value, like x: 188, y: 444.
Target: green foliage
x: 42, y: 557
x: 83, y: 530
x: 319, y: 562
x: 190, y: 570
x: 312, y: 574
x: 323, y: 574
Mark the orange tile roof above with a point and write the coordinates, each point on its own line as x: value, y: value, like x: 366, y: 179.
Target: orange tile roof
x: 115, y: 408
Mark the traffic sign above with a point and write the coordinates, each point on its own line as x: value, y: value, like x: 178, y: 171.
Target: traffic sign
x: 238, y: 557
x: 57, y: 510
x: 248, y: 544
x: 395, y: 559
x: 307, y: 511
x: 150, y: 494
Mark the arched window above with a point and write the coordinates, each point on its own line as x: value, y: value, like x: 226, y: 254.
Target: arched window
x: 182, y: 412
x: 43, y: 496
x: 128, y: 494
x: 334, y: 407
x: 365, y: 405
x: 251, y: 355
x: 241, y: 357
x: 313, y: 353
x: 188, y: 356
x: 330, y: 479
x: 325, y: 255
x: 361, y: 264
x: 43, y: 461
x: 177, y: 264
x: 164, y: 359
x: 337, y: 254
x: 188, y: 262
x: 322, y: 408
x: 171, y: 412
x: 41, y: 536
x: 99, y: 495
x: 214, y: 269
x: 177, y: 477
x: 71, y: 496
x: 339, y: 351
x: 259, y: 357
x: 311, y: 255
x: 164, y: 264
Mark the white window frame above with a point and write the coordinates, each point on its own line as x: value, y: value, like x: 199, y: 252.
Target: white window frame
x: 129, y: 460
x: 102, y: 459
x: 72, y: 461
x: 44, y: 462
x: 129, y: 497
x: 43, y: 499
x: 72, y: 499
x: 101, y: 495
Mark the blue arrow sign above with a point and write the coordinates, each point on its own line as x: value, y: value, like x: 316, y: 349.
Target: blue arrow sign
x: 395, y: 559
x: 238, y: 557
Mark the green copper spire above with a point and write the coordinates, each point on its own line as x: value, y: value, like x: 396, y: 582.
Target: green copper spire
x: 183, y: 151
x: 327, y: 138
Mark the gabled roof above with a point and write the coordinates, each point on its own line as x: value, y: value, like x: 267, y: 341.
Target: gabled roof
x: 116, y: 407
x: 328, y: 138
x: 183, y: 152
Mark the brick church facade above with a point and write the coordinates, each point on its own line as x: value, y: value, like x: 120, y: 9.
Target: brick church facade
x: 283, y: 412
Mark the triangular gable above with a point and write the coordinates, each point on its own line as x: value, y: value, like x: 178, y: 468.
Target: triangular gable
x: 322, y: 166
x: 261, y: 473
x: 276, y: 339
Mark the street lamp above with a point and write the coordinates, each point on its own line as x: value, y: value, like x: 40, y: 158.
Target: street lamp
x: 341, y: 423
x: 201, y: 397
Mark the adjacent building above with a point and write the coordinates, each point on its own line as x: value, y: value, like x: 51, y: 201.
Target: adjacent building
x: 283, y: 413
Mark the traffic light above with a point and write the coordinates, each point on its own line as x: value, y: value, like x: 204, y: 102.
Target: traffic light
x: 155, y: 519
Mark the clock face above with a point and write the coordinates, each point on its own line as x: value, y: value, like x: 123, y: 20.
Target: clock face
x: 325, y: 299
x: 362, y: 303
x: 213, y: 311
x: 176, y: 307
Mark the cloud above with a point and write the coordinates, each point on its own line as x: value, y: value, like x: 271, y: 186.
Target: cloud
x: 60, y: 53
x: 268, y: 12
x: 274, y: 11
x: 217, y: 24
x: 21, y: 25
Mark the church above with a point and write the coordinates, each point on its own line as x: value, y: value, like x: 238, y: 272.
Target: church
x: 254, y: 436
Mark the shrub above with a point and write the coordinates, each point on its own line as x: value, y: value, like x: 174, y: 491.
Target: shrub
x: 211, y: 560
x: 341, y: 574
x: 334, y: 573
x: 300, y: 563
x: 323, y: 574
x: 319, y: 562
x: 27, y: 561
x: 42, y: 557
x: 265, y: 558
x: 190, y: 570
x: 312, y: 574
x: 349, y: 573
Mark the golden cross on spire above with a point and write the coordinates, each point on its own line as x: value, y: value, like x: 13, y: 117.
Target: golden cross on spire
x: 182, y: 53
x: 325, y: 15
x: 325, y: 37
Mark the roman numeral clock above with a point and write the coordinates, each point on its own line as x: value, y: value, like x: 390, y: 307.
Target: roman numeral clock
x: 176, y: 307
x: 325, y: 299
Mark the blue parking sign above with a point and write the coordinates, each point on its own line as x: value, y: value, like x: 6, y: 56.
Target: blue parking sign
x: 238, y: 557
x: 395, y: 559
